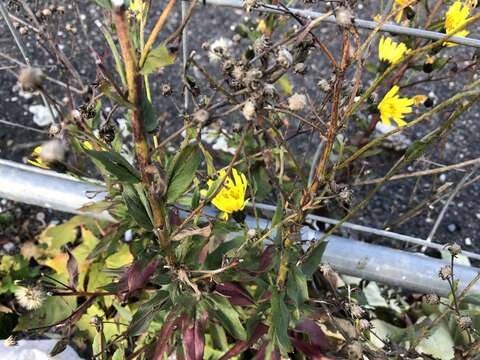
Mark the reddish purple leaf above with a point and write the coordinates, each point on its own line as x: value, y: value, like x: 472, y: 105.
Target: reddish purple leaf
x: 266, y: 259
x: 175, y: 217
x: 193, y: 337
x: 312, y: 352
x: 136, y: 276
x: 164, y: 335
x: 315, y: 334
x: 72, y: 267
x: 235, y: 293
x: 260, y: 355
x: 241, y: 346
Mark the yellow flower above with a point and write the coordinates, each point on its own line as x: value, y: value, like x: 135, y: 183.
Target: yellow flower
x: 457, y: 14
x: 231, y: 197
x: 137, y: 8
x: 393, y: 107
x: 390, y: 51
x: 400, y: 6
x: 36, y: 160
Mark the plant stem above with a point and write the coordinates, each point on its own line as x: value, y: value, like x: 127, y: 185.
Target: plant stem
x: 134, y: 84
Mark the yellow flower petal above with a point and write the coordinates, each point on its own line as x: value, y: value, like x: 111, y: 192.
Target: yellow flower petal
x: 393, y: 107
x: 231, y: 197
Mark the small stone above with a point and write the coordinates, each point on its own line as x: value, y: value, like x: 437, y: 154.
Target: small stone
x: 452, y: 227
x: 468, y: 241
x: 9, y: 247
x: 442, y: 178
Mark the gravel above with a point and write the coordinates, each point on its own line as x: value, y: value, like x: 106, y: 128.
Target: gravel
x: 462, y: 220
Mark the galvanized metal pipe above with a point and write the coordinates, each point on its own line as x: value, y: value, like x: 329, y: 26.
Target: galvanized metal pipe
x: 410, y: 271
x: 361, y: 23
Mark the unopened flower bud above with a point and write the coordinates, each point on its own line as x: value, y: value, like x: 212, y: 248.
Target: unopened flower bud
x: 249, y: 110
x: 31, y: 78
x: 251, y: 233
x: 297, y: 102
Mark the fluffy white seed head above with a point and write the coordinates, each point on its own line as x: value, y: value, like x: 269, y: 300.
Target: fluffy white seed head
x: 30, y: 297
x: 297, y: 102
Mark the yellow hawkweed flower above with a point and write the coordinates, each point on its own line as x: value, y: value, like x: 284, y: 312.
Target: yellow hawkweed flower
x: 400, y: 6
x: 36, y: 160
x: 393, y: 107
x: 137, y: 8
x: 391, y: 52
x: 457, y: 14
x: 231, y: 197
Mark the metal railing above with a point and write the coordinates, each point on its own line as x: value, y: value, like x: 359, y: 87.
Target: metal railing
x: 408, y: 270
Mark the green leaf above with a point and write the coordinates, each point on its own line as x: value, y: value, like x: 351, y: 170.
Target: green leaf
x: 104, y: 3
x: 314, y: 259
x: 145, y: 314
x: 228, y: 316
x: 118, y: 355
x: 280, y: 320
x: 116, y: 165
x: 156, y: 59
x: 297, y: 288
x: 149, y: 115
x: 136, y: 206
x: 181, y: 171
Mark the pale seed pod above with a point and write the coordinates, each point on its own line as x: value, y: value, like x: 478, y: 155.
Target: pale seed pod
x: 31, y: 78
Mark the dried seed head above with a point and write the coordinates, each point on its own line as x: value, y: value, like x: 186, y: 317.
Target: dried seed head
x: 346, y: 194
x: 251, y: 233
x: 166, y: 89
x: 249, y: 4
x: 431, y: 299
x: 201, y: 116
x: 344, y: 16
x: 31, y: 78
x: 61, y: 9
x: 107, y: 133
x: 364, y: 324
x: 445, y: 272
x: 53, y: 151
x: 354, y: 351
x: 219, y: 49
x: 464, y: 322
x: 252, y: 79
x: 46, y: 12
x: 324, y: 85
x: 455, y: 249
x: 238, y: 73
x: 30, y: 297
x: 23, y: 30
x: 261, y: 44
x: 284, y: 58
x: 54, y: 130
x: 228, y: 67
x: 270, y: 91
x: 249, y: 110
x: 356, y: 311
x: 10, y: 341
x: 300, y: 68
x: 325, y: 269
x: 297, y: 102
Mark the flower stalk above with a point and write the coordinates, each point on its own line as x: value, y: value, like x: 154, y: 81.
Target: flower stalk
x: 134, y: 84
